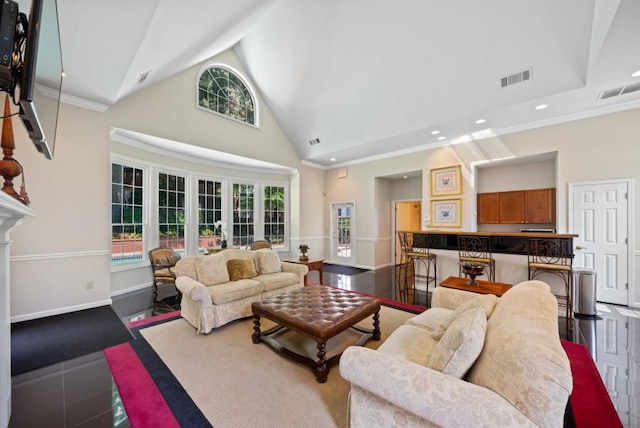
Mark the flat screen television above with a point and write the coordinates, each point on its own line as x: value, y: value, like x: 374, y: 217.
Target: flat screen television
x: 40, y: 81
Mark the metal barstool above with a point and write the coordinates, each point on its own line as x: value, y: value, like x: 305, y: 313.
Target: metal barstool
x: 416, y: 248
x: 477, y: 250
x: 553, y: 256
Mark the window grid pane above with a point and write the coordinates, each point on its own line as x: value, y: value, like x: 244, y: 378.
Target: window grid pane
x: 171, y: 212
x: 223, y: 92
x: 243, y: 211
x: 274, y: 215
x: 126, y: 214
x: 209, y: 212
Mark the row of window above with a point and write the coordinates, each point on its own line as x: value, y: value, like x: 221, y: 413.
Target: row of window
x: 190, y: 221
x: 154, y: 207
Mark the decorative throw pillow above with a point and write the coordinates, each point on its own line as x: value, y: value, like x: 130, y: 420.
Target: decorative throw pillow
x: 461, y: 344
x: 486, y: 301
x: 268, y: 261
x: 241, y: 269
x: 211, y: 270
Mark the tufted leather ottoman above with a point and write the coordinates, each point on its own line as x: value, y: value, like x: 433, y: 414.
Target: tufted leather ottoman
x: 317, y: 312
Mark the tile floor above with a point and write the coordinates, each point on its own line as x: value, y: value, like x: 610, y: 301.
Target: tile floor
x: 81, y: 393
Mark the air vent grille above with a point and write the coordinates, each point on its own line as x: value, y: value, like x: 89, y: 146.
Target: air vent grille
x: 630, y: 88
x: 610, y: 93
x: 314, y: 142
x: 512, y: 79
x: 143, y: 77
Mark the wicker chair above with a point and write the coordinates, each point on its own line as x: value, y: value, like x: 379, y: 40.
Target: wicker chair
x: 256, y: 245
x: 162, y: 260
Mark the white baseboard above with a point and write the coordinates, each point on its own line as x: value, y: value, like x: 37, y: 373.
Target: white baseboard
x: 58, y: 311
x: 131, y: 289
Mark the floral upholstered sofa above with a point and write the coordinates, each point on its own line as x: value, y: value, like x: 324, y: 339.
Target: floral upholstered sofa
x: 220, y: 288
x: 469, y: 361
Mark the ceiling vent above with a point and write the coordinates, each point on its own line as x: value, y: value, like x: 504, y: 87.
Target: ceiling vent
x: 610, y: 93
x: 143, y: 77
x: 314, y: 142
x: 512, y: 79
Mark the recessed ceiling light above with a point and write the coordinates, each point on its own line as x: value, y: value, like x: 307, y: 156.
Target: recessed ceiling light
x: 542, y: 106
x: 332, y: 159
x: 441, y: 138
x: 435, y: 132
x: 405, y: 177
x: 636, y: 74
x: 479, y: 121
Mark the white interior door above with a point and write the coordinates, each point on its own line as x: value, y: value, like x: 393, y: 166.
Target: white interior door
x: 342, y: 227
x: 600, y: 218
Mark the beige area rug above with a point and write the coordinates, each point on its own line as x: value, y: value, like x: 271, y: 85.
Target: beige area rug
x: 236, y: 383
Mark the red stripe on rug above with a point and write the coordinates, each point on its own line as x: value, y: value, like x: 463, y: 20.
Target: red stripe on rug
x: 140, y: 396
x: 151, y: 320
x: 590, y: 401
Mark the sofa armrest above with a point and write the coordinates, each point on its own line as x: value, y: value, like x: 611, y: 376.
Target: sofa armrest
x: 195, y: 290
x: 299, y: 269
x: 450, y: 298
x: 427, y: 393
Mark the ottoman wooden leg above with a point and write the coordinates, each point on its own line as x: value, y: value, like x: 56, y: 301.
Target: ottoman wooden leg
x: 321, y: 366
x: 376, y: 326
x: 256, y: 328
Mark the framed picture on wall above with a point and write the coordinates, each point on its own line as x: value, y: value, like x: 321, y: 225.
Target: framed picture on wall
x: 446, y: 213
x: 446, y: 181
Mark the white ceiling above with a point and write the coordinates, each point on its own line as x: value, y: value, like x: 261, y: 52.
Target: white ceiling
x: 369, y: 77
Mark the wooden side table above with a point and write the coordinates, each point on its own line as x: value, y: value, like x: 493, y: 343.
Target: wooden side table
x: 311, y: 264
x: 483, y: 287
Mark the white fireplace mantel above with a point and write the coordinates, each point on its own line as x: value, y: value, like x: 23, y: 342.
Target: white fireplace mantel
x: 12, y: 212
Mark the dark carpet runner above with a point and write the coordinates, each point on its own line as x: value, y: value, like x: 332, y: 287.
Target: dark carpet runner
x: 51, y: 340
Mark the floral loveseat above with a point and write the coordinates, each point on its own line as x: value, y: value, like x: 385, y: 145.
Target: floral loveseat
x: 220, y: 288
x: 507, y: 370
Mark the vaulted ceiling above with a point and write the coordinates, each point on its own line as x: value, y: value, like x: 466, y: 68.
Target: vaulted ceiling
x: 370, y: 77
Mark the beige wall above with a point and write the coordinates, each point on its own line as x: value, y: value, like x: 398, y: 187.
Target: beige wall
x: 312, y: 208
x: 67, y: 244
x: 599, y: 148
x: 533, y: 175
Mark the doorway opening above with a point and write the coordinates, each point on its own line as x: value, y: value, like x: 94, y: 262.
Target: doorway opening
x: 406, y: 216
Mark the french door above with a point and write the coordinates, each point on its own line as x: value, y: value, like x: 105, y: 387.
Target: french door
x: 342, y: 227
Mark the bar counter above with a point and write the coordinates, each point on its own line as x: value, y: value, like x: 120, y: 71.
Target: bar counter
x: 501, y: 242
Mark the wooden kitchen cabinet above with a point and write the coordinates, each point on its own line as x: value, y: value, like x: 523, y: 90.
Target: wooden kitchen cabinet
x: 536, y: 206
x: 488, y: 208
x: 540, y: 206
x: 511, y: 207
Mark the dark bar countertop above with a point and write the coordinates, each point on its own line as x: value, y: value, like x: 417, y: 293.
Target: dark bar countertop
x: 501, y: 242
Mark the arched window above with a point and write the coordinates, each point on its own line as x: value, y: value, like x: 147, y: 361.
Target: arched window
x: 222, y: 90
